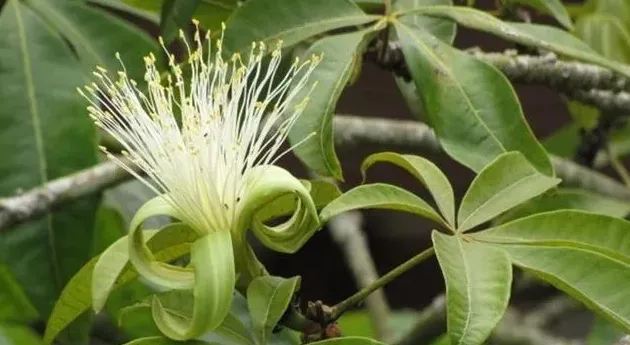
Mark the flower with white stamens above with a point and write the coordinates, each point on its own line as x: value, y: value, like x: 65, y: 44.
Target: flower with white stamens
x: 207, y: 146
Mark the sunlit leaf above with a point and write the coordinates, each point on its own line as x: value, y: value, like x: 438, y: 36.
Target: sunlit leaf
x: 268, y: 298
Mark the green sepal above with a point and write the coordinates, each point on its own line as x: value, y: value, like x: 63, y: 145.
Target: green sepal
x: 213, y: 260
x: 158, y: 273
x: 265, y: 184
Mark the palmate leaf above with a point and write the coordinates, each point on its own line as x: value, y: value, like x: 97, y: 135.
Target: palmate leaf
x: 470, y: 104
x: 584, y: 254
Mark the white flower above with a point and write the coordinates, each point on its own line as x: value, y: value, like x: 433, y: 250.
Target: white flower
x: 234, y: 116
x: 207, y: 146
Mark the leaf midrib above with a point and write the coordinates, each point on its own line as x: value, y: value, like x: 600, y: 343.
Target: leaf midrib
x: 37, y: 132
x: 468, y: 292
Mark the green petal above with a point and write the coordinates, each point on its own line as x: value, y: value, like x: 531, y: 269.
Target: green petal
x: 158, y: 273
x: 266, y: 184
x: 213, y: 261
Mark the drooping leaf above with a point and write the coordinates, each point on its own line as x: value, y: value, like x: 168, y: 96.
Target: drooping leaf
x: 471, y: 105
x: 607, y: 235
x: 572, y: 199
x: 288, y: 20
x: 76, y: 297
x: 332, y: 75
x: 534, y: 35
x: 380, y: 196
x: 268, y: 297
x: 45, y: 135
x: 590, y: 277
x: 16, y: 306
x: 176, y: 15
x: 478, y: 278
x: 553, y: 7
x: 505, y: 183
x: 426, y: 172
x: 440, y: 28
x: 97, y: 35
x: 15, y: 334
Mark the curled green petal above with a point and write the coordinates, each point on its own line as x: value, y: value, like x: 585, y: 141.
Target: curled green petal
x: 266, y: 184
x: 158, y: 273
x: 213, y: 260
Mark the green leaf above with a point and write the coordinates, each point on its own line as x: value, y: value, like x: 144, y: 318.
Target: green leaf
x: 359, y: 323
x: 166, y: 341
x: 288, y: 20
x: 176, y: 15
x: 168, y: 244
x: 16, y: 306
x: 332, y: 75
x: 110, y: 226
x: 478, y: 279
x: 380, y: 196
x: 540, y: 36
x: 471, y: 105
x: 617, y: 8
x: 553, y: 7
x: 572, y: 199
x: 606, y: 235
x: 426, y: 172
x: 211, y: 13
x: 97, y: 35
x: 505, y: 183
x: 348, y: 341
x: 45, y: 135
x: 606, y: 34
x: 440, y: 28
x: 122, y: 6
x: 564, y: 141
x: 588, y: 276
x: 268, y: 298
x: 602, y: 332
x: 13, y: 334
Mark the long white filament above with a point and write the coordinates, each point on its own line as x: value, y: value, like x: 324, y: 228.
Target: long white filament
x: 235, y: 115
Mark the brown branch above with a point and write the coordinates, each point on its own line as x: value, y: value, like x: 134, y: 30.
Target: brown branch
x: 551, y: 71
x: 38, y: 201
x: 350, y: 131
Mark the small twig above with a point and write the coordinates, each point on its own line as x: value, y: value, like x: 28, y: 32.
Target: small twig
x: 341, y: 307
x: 346, y: 232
